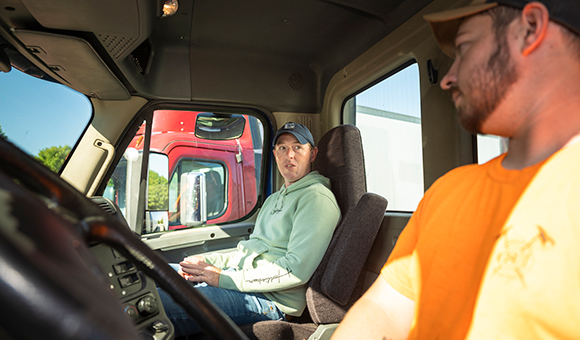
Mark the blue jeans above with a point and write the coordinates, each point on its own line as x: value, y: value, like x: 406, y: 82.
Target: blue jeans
x: 242, y: 308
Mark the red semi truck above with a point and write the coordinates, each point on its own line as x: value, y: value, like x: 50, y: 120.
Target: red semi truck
x: 198, y: 173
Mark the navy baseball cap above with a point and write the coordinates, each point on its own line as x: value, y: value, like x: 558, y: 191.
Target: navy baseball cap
x: 299, y: 131
x: 446, y: 24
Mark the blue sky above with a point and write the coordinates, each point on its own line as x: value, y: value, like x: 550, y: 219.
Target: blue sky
x: 35, y: 114
x: 399, y: 93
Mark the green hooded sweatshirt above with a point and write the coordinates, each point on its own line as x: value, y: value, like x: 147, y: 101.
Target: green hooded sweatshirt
x: 292, y: 232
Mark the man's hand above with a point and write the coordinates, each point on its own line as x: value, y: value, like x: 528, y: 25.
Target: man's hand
x: 195, y: 269
x: 381, y: 313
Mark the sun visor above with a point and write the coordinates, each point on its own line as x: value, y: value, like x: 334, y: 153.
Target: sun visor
x: 75, y: 61
x: 120, y: 25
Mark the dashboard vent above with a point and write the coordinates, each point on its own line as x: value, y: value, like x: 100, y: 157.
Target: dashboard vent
x: 105, y: 204
x: 109, y: 207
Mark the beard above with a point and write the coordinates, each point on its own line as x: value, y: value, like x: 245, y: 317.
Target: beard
x: 487, y: 87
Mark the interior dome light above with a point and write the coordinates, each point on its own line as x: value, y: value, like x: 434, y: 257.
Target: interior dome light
x: 169, y: 8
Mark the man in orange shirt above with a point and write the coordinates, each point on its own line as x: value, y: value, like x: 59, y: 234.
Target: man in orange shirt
x: 489, y: 244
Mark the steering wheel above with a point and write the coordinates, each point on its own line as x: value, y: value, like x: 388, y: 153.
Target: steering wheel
x: 50, y: 284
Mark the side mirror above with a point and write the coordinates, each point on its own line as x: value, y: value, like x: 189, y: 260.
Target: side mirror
x: 193, y: 204
x: 157, y: 216
x: 219, y: 126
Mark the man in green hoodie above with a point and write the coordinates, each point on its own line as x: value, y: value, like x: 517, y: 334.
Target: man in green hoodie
x: 265, y: 277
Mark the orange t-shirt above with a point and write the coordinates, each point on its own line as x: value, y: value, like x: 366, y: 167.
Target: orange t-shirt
x: 441, y: 254
x: 531, y: 285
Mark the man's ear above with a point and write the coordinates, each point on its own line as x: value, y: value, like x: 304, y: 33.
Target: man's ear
x: 535, y: 18
x: 313, y: 154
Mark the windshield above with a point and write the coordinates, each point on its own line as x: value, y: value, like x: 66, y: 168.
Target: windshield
x: 43, y: 118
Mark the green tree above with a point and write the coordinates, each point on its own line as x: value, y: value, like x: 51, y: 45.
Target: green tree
x: 158, y: 192
x: 53, y: 157
x: 2, y: 134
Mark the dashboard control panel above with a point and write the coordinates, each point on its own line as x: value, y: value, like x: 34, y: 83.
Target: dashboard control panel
x: 137, y: 293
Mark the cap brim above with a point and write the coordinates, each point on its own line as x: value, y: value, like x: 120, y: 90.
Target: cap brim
x: 446, y: 24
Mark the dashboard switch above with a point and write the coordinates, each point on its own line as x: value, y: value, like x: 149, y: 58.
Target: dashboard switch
x: 159, y: 327
x: 128, y: 280
x: 123, y: 267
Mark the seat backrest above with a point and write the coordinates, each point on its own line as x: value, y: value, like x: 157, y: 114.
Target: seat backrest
x: 338, y: 281
x: 340, y: 158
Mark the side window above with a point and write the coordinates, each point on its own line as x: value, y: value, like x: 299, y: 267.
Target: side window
x: 33, y: 113
x: 489, y: 147
x: 204, y: 168
x: 388, y: 115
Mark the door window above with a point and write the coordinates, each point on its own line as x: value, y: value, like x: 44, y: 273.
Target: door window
x: 388, y: 115
x: 204, y: 168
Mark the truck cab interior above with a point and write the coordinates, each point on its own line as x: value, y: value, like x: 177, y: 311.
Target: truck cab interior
x: 86, y: 242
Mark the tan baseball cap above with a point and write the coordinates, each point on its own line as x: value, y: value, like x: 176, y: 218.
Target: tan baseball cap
x: 446, y: 24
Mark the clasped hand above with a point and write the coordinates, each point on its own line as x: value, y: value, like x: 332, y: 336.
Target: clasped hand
x: 195, y: 269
